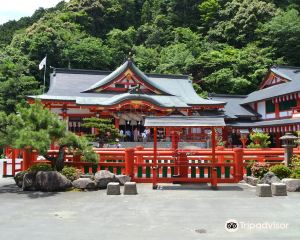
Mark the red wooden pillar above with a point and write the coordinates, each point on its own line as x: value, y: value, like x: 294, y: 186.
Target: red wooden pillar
x: 154, y: 168
x: 238, y: 161
x: 26, y: 159
x: 168, y: 134
x: 117, y: 123
x: 220, y: 158
x: 277, y: 111
x: 139, y: 158
x: 4, y: 168
x: 129, y: 162
x: 225, y: 135
x: 13, y: 162
x: 34, y: 155
x: 175, y: 139
x: 183, y: 162
x: 277, y: 140
x: 214, y: 181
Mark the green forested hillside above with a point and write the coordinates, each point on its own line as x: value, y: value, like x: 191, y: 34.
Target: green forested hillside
x: 226, y: 46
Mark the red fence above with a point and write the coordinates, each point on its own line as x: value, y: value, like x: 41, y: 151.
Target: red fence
x: 183, y: 165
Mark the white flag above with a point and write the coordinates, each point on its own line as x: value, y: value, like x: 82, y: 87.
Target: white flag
x: 42, y: 63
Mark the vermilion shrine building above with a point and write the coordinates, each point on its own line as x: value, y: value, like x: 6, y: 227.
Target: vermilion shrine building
x: 127, y: 96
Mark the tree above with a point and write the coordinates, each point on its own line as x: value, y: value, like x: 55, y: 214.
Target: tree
x: 175, y: 59
x: 283, y: 34
x: 15, y: 82
x: 239, y: 20
x: 259, y: 140
x: 87, y: 53
x: 121, y: 43
x: 208, y: 10
x: 106, y: 132
x: 35, y: 128
x: 146, y: 58
x: 232, y: 70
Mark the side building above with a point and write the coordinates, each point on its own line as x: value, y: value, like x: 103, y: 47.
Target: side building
x: 274, y: 108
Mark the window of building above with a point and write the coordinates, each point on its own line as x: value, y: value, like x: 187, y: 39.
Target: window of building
x: 287, y: 105
x: 270, y: 106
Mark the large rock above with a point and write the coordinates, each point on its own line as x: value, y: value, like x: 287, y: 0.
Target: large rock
x: 52, y: 181
x: 84, y: 183
x: 29, y: 182
x: 103, y: 177
x: 292, y: 185
x: 252, y: 180
x: 19, y: 178
x: 122, y: 179
x: 269, y: 178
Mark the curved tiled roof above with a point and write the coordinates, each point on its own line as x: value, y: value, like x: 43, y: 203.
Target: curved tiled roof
x: 77, y: 85
x: 292, y: 74
x: 127, y: 65
x: 233, y: 108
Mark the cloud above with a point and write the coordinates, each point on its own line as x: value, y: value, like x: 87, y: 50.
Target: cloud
x: 15, y: 9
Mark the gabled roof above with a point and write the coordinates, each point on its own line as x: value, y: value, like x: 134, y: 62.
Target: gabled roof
x: 292, y: 74
x: 128, y: 65
x: 72, y: 85
x: 233, y: 108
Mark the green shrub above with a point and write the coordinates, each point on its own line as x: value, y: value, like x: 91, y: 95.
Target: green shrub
x: 281, y: 171
x: 40, y: 167
x: 259, y: 140
x: 259, y: 169
x: 296, y: 173
x: 296, y: 161
x: 71, y: 173
x: 249, y: 165
x: 90, y: 155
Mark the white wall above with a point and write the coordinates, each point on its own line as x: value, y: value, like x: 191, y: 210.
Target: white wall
x: 285, y: 114
x: 261, y: 109
x: 270, y: 115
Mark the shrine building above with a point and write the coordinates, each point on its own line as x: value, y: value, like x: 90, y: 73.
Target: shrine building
x: 127, y: 96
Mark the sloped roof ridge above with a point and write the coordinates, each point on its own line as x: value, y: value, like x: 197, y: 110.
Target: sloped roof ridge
x: 284, y: 66
x: 94, y: 71
x: 130, y: 65
x: 80, y: 71
x: 226, y: 95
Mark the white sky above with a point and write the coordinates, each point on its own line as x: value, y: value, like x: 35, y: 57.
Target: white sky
x: 15, y: 9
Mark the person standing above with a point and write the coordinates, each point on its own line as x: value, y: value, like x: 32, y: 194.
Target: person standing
x: 128, y: 135
x: 136, y: 134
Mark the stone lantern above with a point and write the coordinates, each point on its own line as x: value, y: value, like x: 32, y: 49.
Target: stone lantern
x: 288, y: 142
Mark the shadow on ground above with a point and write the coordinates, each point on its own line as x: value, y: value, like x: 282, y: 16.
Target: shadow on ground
x: 197, y: 187
x: 14, y: 189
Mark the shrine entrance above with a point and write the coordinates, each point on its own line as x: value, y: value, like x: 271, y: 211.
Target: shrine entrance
x: 186, y: 164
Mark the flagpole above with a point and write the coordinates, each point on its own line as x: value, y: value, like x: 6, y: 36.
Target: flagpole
x: 45, y: 75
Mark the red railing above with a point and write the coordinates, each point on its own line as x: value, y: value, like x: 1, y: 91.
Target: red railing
x: 183, y: 165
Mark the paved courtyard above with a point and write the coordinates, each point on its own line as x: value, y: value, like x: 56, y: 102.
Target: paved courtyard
x: 172, y: 212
